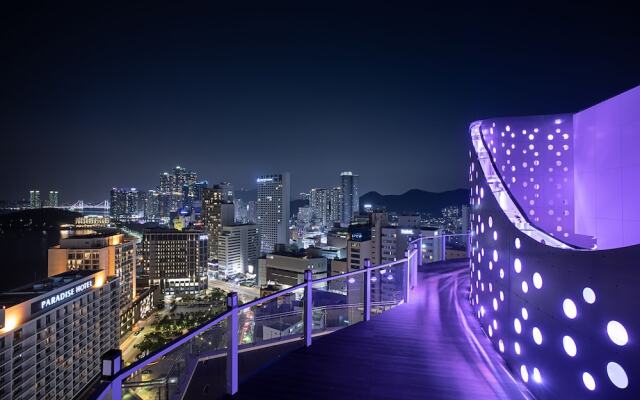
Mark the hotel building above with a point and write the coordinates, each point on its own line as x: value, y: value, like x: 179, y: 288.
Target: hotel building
x: 109, y: 250
x: 53, y: 333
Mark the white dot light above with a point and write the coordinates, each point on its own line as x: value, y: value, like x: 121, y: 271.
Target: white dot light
x: 537, y: 335
x: 517, y: 265
x: 588, y: 381
x: 569, y: 346
x: 525, y: 314
x: 495, y: 235
x: 495, y: 304
x: 524, y: 373
x: 495, y: 256
x: 569, y: 308
x: 617, y: 333
x: 617, y: 375
x: 525, y: 286
x: 537, y: 280
x: 589, y: 295
x: 517, y: 243
x: 516, y: 347
x: 517, y: 325
x: 501, y: 345
x: 536, y: 376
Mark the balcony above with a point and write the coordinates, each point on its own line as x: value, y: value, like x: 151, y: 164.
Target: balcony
x: 397, y: 330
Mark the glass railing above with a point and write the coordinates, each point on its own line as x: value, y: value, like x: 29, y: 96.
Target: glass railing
x: 233, y: 345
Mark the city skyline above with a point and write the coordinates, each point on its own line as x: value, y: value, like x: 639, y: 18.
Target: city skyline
x: 323, y: 88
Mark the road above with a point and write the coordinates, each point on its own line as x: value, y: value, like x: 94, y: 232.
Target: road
x: 245, y: 294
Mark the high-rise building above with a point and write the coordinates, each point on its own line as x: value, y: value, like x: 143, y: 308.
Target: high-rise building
x: 238, y: 248
x: 152, y: 206
x: 287, y: 268
x: 34, y: 199
x: 167, y: 183
x: 335, y: 204
x: 108, y: 250
x: 53, y: 333
x: 125, y: 204
x: 217, y: 211
x: 320, y: 203
x: 274, y: 196
x: 176, y: 261
x: 53, y: 198
x: 350, y: 200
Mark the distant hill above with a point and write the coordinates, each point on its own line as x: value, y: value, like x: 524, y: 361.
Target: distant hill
x: 416, y: 200
x: 37, y: 219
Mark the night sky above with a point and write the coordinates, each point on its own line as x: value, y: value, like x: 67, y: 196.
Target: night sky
x: 112, y: 96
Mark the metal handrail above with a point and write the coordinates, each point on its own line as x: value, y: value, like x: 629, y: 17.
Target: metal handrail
x: 233, y: 311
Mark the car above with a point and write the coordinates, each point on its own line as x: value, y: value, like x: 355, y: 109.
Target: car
x: 146, y: 372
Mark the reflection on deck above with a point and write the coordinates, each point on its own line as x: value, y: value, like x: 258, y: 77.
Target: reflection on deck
x: 429, y: 348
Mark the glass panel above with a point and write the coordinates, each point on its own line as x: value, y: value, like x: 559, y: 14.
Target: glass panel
x: 387, y: 288
x: 338, y: 303
x: 270, y: 330
x: 200, y: 360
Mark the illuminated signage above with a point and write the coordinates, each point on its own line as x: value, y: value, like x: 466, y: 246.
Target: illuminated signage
x: 406, y: 231
x: 56, y: 299
x: 262, y: 180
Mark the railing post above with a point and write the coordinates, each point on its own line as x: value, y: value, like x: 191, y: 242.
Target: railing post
x: 232, y: 344
x: 308, y: 307
x: 367, y: 289
x: 406, y: 270
x: 443, y: 249
x: 111, y: 366
x: 414, y: 264
x: 419, y: 259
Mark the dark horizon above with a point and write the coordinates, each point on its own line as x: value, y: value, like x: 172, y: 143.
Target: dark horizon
x: 113, y: 96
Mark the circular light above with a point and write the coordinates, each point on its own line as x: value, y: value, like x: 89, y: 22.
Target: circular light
x: 490, y: 265
x: 495, y: 256
x: 569, y: 346
x: 589, y: 295
x: 617, y: 375
x: 524, y: 373
x: 490, y: 331
x: 537, y: 335
x: 517, y: 265
x: 495, y: 235
x: 517, y: 325
x: 495, y: 304
x: 501, y: 345
x: 537, y: 280
x: 516, y: 347
x: 525, y: 314
x: 525, y: 286
x: 517, y: 242
x: 501, y: 273
x: 501, y: 295
x: 495, y: 324
x: 536, y: 376
x: 569, y: 308
x: 617, y: 333
x: 490, y: 222
x: 588, y: 381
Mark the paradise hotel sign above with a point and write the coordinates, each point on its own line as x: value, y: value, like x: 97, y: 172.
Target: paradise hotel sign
x: 57, y: 298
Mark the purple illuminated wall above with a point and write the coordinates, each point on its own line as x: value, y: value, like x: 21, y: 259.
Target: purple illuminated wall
x: 564, y: 319
x: 607, y: 171
x: 534, y: 156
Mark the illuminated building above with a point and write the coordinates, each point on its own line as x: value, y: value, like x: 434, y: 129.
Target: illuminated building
x: 125, y: 204
x: 111, y: 251
x: 34, y: 199
x: 217, y: 211
x: 554, y: 275
x: 287, y: 268
x: 152, y: 206
x: 274, y: 196
x: 92, y: 221
x: 53, y: 333
x: 350, y: 201
x: 176, y: 260
x: 238, y: 248
x: 53, y: 198
x: 320, y: 203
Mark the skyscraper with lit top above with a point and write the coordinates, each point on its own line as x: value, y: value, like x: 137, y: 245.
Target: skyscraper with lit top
x: 274, y: 196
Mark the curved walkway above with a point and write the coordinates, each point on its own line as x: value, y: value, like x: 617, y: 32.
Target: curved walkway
x: 428, y: 349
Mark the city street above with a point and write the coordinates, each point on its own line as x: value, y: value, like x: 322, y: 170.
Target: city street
x: 245, y: 294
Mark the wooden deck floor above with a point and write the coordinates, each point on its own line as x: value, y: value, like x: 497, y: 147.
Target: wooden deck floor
x: 427, y: 349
